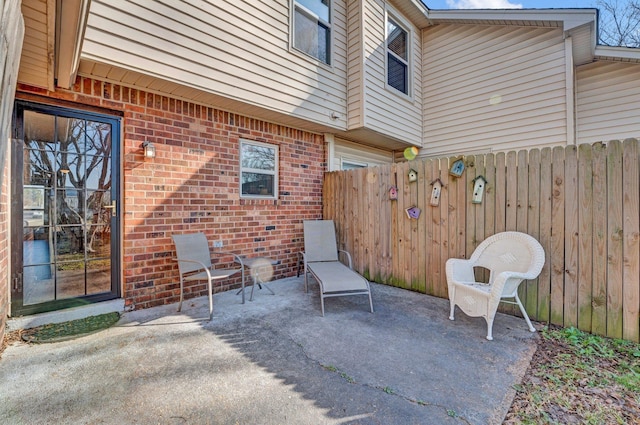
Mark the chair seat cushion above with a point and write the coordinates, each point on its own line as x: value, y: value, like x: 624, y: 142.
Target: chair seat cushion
x: 215, y: 274
x: 336, y: 277
x: 478, y: 286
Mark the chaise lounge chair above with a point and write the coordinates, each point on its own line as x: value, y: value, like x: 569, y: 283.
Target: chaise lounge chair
x: 320, y: 258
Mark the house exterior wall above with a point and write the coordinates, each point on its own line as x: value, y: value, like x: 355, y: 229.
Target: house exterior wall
x: 371, y: 103
x: 193, y: 185
x: 607, y: 102
x: 493, y: 88
x: 11, y: 40
x: 239, y: 50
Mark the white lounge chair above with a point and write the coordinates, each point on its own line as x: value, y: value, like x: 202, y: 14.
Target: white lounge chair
x: 510, y: 257
x: 194, y: 263
x: 321, y: 259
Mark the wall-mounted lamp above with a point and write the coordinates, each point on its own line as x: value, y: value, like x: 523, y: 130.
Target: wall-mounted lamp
x: 149, y: 150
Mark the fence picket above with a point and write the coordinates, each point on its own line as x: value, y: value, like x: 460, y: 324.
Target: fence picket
x: 571, y: 236
x: 599, y: 258
x: 533, y: 225
x: 631, y: 271
x: 615, y: 239
x: 585, y: 236
x: 557, y: 236
x: 544, y: 280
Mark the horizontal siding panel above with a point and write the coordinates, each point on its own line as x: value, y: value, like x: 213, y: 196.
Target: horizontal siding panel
x: 349, y: 151
x: 508, y: 46
x: 493, y: 88
x: 355, y: 83
x: 607, y: 102
x: 201, y: 47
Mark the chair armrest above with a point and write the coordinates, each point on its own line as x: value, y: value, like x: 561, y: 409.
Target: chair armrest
x: 460, y: 270
x: 348, y: 257
x: 236, y: 258
x: 506, y: 283
x: 203, y: 267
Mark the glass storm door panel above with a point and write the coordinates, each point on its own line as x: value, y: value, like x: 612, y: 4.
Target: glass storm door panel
x: 64, y: 188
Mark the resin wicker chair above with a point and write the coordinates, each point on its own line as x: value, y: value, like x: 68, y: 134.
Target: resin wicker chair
x: 194, y: 263
x: 510, y: 257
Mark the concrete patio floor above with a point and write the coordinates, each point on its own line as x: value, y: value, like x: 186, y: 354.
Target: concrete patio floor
x: 275, y: 360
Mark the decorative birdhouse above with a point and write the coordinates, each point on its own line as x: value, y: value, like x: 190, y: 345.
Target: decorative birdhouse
x: 413, y: 212
x: 457, y: 168
x: 413, y: 175
x: 478, y: 189
x: 435, y: 192
x: 393, y: 193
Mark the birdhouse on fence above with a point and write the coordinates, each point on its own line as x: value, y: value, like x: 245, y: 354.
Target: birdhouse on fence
x: 413, y: 212
x: 479, y: 184
x: 457, y: 167
x: 413, y: 175
x: 435, y: 192
x: 393, y: 193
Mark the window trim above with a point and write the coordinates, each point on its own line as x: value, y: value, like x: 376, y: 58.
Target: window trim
x: 275, y: 172
x: 357, y: 164
x: 402, y: 23
x: 292, y: 8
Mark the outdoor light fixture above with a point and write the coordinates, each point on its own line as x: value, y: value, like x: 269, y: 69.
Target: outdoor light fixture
x: 149, y: 150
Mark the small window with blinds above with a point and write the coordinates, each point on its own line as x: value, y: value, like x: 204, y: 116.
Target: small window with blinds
x: 397, y: 45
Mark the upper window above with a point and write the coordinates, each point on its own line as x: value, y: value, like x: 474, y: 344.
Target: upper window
x: 397, y: 56
x: 312, y: 28
x: 258, y: 170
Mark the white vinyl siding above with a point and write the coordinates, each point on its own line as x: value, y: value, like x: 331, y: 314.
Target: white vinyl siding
x: 353, y: 153
x: 238, y: 50
x: 36, y: 64
x: 493, y: 87
x: 371, y: 103
x: 355, y: 65
x: 608, y: 102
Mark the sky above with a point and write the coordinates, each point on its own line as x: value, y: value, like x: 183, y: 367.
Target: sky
x: 508, y: 4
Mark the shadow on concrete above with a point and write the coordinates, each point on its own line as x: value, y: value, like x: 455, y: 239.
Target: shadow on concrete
x: 275, y: 360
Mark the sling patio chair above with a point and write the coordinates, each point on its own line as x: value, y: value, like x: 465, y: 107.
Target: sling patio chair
x: 194, y: 264
x: 510, y: 257
x: 321, y: 259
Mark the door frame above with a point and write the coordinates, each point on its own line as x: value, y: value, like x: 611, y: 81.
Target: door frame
x: 16, y: 213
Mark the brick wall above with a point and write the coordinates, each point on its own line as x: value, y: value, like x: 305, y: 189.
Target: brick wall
x: 193, y: 185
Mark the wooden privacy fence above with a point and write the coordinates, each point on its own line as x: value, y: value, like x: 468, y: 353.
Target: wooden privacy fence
x: 581, y: 202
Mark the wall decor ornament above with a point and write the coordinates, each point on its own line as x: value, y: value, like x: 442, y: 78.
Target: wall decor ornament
x: 435, y: 192
x: 479, y: 184
x: 413, y: 212
x: 393, y: 193
x: 413, y: 175
x: 457, y: 167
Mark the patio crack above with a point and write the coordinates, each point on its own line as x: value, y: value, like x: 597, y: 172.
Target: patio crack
x: 388, y: 390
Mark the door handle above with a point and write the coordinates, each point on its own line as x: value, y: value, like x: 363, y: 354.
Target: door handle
x: 112, y: 207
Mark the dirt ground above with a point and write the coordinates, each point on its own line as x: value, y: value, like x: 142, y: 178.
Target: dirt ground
x: 562, y: 386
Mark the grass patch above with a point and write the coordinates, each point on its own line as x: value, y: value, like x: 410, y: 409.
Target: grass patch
x: 56, y: 332
x: 577, y: 377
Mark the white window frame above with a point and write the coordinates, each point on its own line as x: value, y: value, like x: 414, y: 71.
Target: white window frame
x: 273, y: 172
x: 354, y: 164
x: 295, y: 5
x: 402, y: 23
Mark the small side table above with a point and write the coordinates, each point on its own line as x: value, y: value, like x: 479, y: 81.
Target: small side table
x: 257, y: 267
